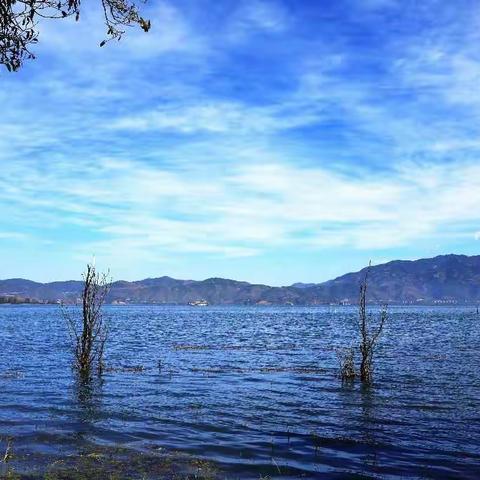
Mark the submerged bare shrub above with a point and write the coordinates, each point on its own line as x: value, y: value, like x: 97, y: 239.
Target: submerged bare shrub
x: 89, y: 333
x: 346, y: 357
x: 369, y: 333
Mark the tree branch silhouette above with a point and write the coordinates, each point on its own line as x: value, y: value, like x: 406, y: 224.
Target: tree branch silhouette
x: 19, y: 24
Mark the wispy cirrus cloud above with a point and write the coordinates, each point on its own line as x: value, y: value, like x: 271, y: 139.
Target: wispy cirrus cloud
x: 267, y: 16
x: 245, y: 210
x: 221, y: 117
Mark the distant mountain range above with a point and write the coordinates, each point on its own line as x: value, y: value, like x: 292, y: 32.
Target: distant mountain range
x: 446, y: 279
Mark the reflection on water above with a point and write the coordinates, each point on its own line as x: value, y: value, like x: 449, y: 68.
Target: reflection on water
x: 254, y: 389
x: 87, y: 395
x: 367, y: 425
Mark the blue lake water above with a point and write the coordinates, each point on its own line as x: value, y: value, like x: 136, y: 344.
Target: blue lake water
x: 254, y: 389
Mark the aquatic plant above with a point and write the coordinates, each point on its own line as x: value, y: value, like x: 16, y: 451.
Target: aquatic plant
x: 89, y: 334
x: 369, y: 334
x: 5, y: 471
x: 346, y: 358
x: 369, y: 339
x: 7, y: 456
x: 118, y: 463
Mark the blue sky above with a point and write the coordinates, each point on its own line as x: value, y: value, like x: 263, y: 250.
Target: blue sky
x: 269, y: 141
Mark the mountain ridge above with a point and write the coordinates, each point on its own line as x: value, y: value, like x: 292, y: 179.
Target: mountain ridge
x: 443, y: 279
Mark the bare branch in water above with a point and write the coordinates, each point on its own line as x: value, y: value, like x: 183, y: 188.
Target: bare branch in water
x: 369, y: 339
x: 90, y: 333
x: 369, y: 336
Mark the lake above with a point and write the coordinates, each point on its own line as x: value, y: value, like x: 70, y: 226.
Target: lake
x: 253, y: 389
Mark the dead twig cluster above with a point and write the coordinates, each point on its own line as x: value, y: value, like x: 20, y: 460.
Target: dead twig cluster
x: 370, y: 332
x: 89, y: 333
x: 346, y: 357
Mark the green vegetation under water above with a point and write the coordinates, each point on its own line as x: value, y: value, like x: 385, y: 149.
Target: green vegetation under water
x: 105, y: 463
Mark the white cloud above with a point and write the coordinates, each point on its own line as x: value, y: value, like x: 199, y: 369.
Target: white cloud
x: 145, y: 210
x: 253, y: 16
x: 12, y: 236
x: 90, y: 142
x: 170, y: 32
x: 220, y: 117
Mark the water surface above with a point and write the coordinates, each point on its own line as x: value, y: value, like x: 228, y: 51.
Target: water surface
x: 254, y: 389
